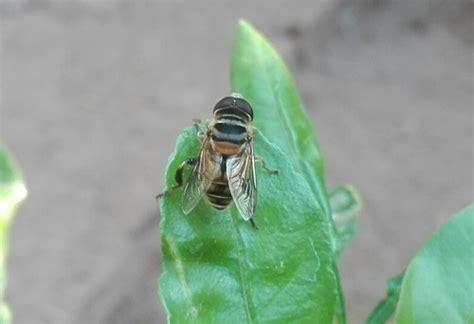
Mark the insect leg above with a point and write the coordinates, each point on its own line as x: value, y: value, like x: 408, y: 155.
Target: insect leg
x: 264, y: 165
x: 255, y: 227
x: 178, y: 177
x: 201, y: 133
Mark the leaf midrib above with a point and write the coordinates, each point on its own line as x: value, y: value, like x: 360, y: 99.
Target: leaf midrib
x: 248, y: 304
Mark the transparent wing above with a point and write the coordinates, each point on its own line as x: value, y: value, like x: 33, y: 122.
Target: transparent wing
x: 242, y: 181
x: 201, y: 177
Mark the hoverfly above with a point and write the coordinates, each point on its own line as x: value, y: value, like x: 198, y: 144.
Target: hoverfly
x: 224, y: 170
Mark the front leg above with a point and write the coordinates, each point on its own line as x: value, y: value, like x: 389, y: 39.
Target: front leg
x: 200, y: 130
x: 254, y: 132
x: 178, y: 177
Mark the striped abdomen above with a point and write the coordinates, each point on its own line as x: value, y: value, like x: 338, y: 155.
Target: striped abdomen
x: 218, y: 193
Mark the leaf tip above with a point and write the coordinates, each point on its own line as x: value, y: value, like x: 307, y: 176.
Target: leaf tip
x: 246, y: 28
x: 244, y: 24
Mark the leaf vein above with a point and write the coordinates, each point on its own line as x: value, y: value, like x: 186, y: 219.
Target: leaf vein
x: 192, y: 311
x: 243, y: 278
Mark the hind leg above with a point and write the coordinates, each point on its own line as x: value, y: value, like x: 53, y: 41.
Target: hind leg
x: 255, y: 227
x: 178, y: 177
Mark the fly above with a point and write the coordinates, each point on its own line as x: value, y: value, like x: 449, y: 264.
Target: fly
x: 224, y: 170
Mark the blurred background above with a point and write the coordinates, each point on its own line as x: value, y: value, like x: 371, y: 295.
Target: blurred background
x: 95, y: 92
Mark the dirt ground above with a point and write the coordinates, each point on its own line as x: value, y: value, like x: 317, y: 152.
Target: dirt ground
x: 94, y: 94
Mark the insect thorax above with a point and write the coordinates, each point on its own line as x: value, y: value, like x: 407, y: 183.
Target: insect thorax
x: 228, y: 133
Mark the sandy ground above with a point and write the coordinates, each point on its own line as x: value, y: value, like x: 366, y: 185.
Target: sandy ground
x: 94, y: 94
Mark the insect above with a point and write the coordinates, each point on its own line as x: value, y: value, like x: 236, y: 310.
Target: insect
x: 224, y: 170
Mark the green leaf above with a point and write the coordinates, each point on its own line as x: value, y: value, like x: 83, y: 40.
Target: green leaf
x: 262, y: 77
x: 5, y: 314
x: 386, y: 306
x: 345, y: 206
x: 438, y: 286
x: 12, y: 192
x: 217, y: 268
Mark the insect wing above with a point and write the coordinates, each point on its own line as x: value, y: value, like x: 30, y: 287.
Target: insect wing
x: 242, y: 181
x: 201, y: 178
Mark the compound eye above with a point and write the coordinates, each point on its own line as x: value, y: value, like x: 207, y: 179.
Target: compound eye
x: 224, y: 103
x: 233, y: 104
x: 245, y: 107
